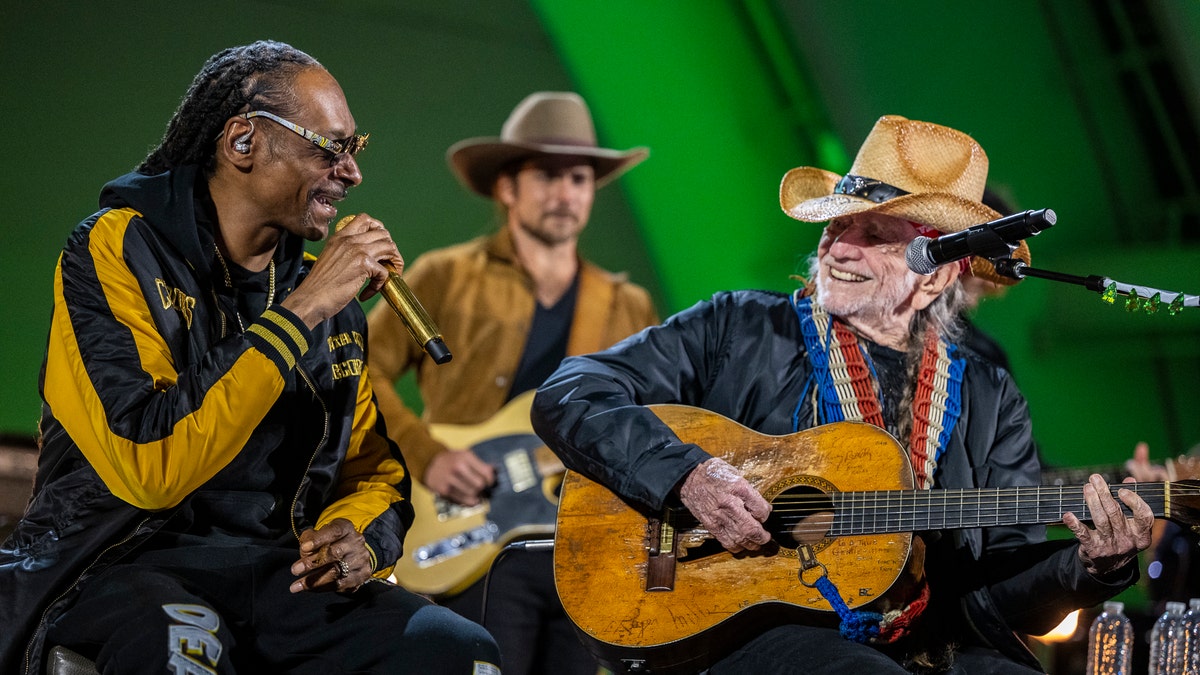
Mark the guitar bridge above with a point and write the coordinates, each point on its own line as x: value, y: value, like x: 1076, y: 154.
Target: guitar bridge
x: 660, y: 552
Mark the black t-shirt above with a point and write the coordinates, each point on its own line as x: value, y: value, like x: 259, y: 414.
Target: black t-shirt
x: 890, y: 371
x: 546, y: 345
x: 251, y: 497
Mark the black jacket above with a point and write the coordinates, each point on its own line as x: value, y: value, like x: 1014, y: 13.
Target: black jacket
x: 155, y: 398
x: 742, y: 355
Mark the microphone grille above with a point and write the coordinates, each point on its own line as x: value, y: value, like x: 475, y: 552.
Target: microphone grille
x: 917, y: 256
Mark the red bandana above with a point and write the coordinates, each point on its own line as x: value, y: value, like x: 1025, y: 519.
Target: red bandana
x: 964, y: 265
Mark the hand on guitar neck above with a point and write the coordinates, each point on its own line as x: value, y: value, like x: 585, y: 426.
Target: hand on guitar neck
x: 1114, y: 540
x: 460, y: 476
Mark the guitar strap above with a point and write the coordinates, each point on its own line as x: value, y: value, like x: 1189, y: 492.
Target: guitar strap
x: 844, y: 387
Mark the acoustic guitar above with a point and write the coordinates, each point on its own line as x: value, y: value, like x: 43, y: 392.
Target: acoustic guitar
x: 655, y: 592
x: 451, y: 546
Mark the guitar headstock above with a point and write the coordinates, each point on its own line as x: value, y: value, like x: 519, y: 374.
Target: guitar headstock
x: 1184, y: 506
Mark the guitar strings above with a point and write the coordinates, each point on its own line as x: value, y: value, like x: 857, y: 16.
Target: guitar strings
x: 1182, y: 489
x: 998, y: 499
x: 867, y: 512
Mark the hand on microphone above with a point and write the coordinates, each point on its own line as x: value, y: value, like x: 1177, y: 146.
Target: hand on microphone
x: 360, y: 251
x: 404, y: 303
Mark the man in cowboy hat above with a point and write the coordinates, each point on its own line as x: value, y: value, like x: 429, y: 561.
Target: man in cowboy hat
x: 867, y: 340
x: 512, y: 305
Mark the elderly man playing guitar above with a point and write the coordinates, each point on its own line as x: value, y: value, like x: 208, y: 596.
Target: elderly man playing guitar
x: 866, y: 346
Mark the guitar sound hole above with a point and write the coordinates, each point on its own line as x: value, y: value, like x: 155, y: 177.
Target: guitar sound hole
x: 801, y: 514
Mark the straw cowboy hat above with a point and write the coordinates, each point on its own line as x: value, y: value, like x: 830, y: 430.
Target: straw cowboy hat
x: 545, y: 123
x: 922, y: 172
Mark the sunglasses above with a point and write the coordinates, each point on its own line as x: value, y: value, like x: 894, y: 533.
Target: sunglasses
x: 347, y: 146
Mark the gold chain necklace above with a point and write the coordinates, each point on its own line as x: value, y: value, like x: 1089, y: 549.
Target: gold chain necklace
x: 229, y: 284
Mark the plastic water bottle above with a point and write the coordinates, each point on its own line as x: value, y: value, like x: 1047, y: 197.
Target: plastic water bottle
x: 1168, y: 642
x: 1110, y: 642
x: 1191, y: 622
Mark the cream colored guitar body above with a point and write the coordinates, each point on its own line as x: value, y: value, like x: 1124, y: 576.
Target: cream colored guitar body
x: 450, y: 546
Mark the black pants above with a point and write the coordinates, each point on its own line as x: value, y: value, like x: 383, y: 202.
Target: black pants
x: 526, y: 617
x: 228, y: 608
x: 812, y: 650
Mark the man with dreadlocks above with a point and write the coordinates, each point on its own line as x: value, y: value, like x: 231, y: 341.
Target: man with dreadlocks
x: 216, y: 491
x: 867, y: 341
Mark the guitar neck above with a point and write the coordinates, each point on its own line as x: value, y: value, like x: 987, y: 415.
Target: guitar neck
x: 879, y: 512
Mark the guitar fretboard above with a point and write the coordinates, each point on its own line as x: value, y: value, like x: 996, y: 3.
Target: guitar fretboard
x: 877, y: 512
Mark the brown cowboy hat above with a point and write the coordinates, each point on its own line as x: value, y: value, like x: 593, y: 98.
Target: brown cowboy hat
x: 545, y: 123
x: 918, y: 171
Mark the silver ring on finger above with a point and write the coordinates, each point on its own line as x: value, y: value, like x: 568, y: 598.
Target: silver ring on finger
x: 341, y: 569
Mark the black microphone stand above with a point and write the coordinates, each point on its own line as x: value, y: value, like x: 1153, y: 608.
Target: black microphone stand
x: 1142, y: 298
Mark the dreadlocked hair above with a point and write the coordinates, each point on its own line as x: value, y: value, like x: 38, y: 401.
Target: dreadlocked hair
x: 232, y: 81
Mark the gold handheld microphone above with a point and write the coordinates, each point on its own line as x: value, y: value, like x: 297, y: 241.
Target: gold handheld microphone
x: 410, y: 311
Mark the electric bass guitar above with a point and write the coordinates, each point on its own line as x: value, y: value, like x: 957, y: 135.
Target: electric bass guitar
x: 655, y: 592
x: 450, y: 546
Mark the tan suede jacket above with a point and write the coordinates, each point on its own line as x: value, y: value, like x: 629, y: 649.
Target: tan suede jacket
x: 482, y: 302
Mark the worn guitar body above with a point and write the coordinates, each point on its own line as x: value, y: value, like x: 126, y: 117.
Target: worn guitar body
x: 601, y: 559
x: 653, y: 592
x: 450, y: 546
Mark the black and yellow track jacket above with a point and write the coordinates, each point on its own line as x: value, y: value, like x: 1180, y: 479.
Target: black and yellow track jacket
x: 154, y: 395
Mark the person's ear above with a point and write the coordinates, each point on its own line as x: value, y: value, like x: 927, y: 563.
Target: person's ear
x: 237, y: 141
x: 505, y: 190
x: 930, y: 287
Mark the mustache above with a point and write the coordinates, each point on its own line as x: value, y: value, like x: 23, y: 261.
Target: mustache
x: 337, y: 193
